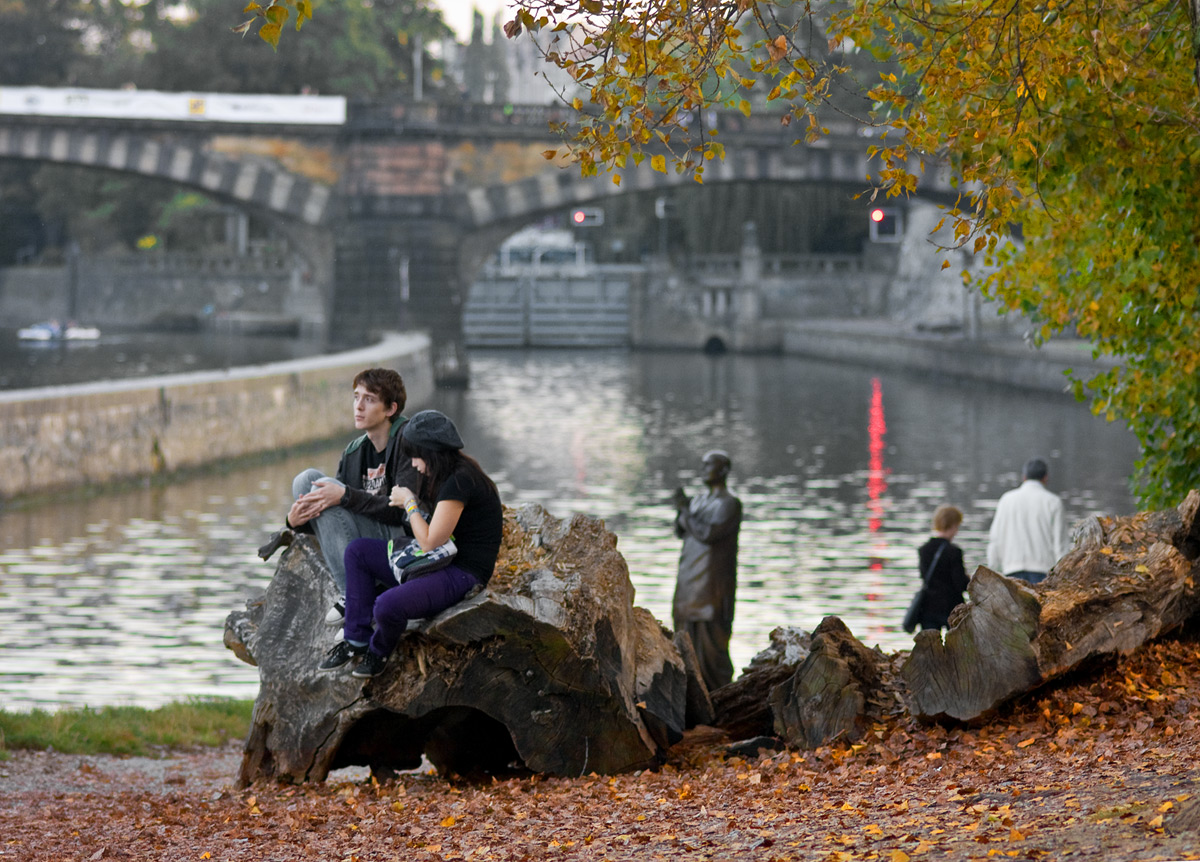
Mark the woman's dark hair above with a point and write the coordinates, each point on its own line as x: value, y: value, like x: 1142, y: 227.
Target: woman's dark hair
x: 440, y: 464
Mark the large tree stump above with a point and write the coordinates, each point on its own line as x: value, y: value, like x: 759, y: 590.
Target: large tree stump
x: 550, y: 669
x: 835, y: 693
x: 1126, y: 581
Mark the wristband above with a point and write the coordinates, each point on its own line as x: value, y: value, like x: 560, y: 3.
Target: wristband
x: 410, y: 507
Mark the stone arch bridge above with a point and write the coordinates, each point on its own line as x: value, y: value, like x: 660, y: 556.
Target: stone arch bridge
x: 393, y: 232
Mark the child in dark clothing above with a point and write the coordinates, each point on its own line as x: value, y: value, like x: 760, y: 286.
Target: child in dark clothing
x: 941, y: 568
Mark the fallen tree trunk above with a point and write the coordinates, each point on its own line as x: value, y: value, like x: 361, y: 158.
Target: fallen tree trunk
x: 550, y: 669
x: 1126, y: 581
x: 743, y: 707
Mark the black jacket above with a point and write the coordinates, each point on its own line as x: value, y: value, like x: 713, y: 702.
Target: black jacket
x: 398, y: 470
x: 945, y: 584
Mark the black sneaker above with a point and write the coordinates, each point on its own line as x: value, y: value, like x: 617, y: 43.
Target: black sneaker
x: 280, y: 539
x: 371, y: 665
x: 340, y: 654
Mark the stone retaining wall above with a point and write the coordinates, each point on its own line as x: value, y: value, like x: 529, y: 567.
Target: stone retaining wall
x: 64, y: 436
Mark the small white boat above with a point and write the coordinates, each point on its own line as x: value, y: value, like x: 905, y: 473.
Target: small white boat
x: 54, y: 331
x: 81, y: 333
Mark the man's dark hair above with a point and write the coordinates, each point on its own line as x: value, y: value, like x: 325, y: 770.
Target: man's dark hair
x: 1035, y: 468
x: 386, y: 385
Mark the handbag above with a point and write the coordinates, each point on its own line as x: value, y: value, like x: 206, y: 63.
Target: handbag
x: 914, y: 607
x: 412, y: 561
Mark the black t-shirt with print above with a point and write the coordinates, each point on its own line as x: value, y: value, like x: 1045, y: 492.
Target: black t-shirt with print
x: 480, y: 526
x: 374, y: 469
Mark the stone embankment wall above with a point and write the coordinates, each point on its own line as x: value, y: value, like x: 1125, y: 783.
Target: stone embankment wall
x: 65, y: 436
x: 1005, y: 360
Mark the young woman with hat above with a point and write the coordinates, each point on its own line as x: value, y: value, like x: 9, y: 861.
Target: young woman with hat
x: 465, y: 505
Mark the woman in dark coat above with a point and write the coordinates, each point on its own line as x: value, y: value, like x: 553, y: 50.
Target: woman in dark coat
x: 947, y: 580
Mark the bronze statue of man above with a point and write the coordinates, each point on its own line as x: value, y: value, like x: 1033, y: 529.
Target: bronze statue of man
x: 704, y: 592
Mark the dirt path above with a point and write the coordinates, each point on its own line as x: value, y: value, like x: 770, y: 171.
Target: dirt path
x: 1101, y: 768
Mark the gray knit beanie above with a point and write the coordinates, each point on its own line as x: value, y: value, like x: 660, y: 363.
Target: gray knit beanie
x: 432, y: 430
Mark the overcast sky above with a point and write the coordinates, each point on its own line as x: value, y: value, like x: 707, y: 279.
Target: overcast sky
x: 458, y: 14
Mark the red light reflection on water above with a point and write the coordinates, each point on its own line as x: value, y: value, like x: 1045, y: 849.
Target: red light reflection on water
x: 877, y: 473
x: 876, y: 480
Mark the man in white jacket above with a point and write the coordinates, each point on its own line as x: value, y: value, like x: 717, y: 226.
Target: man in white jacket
x: 1026, y: 538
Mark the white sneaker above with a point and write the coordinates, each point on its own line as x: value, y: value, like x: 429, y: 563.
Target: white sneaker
x: 337, y: 613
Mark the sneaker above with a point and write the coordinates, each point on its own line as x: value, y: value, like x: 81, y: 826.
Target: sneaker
x: 279, y: 539
x: 337, y: 613
x: 340, y: 654
x: 371, y: 665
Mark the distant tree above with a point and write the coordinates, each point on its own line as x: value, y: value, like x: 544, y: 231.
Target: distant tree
x: 357, y: 48
x: 41, y: 42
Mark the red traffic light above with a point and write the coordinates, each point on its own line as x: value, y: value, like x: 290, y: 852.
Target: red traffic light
x: 587, y: 216
x: 878, y: 215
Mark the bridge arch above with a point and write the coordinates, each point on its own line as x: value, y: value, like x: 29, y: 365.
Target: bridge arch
x: 554, y: 190
x: 258, y: 184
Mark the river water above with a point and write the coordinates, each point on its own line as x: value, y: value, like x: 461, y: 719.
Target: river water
x: 121, y: 599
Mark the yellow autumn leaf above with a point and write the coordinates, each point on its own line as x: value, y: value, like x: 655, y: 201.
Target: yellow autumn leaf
x: 899, y: 856
x: 269, y: 33
x: 659, y: 163
x: 448, y: 822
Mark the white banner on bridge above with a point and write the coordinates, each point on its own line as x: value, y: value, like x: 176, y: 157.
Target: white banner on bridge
x: 184, y: 107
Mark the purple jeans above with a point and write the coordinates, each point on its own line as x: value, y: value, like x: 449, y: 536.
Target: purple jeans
x: 372, y: 592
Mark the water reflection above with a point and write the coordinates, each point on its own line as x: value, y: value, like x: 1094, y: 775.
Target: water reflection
x: 122, y: 599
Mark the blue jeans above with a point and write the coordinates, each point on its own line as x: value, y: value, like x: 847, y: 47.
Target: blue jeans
x: 1029, y: 577
x: 337, y: 527
x: 372, y: 592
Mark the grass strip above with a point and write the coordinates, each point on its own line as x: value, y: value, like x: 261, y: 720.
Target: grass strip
x: 127, y: 730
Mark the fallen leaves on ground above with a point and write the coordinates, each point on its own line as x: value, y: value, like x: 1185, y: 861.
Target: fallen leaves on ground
x: 1094, y: 767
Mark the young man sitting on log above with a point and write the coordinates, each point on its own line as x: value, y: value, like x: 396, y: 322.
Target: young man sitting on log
x: 354, y: 503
